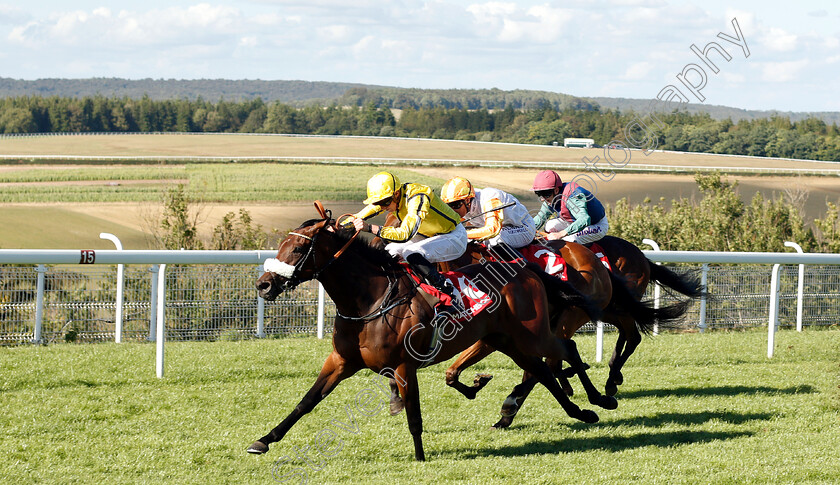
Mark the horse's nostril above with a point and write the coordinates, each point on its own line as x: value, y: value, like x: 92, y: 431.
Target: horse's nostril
x: 263, y: 285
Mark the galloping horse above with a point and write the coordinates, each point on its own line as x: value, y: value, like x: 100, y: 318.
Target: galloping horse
x: 587, y: 274
x: 636, y: 271
x: 382, y: 319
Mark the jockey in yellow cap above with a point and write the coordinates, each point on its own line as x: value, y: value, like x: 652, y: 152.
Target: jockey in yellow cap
x: 512, y: 225
x: 429, y: 231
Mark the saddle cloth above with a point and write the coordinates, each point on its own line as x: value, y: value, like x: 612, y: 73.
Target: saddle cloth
x: 551, y: 262
x: 599, y: 252
x: 473, y: 299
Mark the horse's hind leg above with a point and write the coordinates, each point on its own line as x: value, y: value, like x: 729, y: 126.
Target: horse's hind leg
x: 335, y: 370
x: 536, y: 367
x: 472, y: 355
x: 628, y: 339
x: 397, y: 403
x: 594, y: 395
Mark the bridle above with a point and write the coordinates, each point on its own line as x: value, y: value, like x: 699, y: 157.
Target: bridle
x: 293, y: 273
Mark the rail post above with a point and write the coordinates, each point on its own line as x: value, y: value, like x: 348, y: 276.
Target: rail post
x: 155, y: 269
x: 260, y: 311
x: 704, y: 283
x: 774, y: 310
x: 118, y: 317
x: 321, y: 304
x: 800, y: 285
x: 657, y: 290
x: 39, y: 303
x: 599, y: 341
x: 161, y: 320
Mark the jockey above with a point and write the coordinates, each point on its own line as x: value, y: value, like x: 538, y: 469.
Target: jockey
x: 568, y: 211
x: 429, y: 232
x: 512, y: 225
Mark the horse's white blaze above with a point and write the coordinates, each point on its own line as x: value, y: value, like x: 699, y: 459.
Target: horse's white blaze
x: 274, y: 265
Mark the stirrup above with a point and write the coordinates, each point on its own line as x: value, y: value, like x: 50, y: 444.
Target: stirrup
x: 457, y: 306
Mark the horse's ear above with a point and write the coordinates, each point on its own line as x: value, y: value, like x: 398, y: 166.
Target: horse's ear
x: 320, y: 208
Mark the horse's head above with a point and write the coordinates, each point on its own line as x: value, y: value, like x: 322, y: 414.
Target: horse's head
x: 301, y: 256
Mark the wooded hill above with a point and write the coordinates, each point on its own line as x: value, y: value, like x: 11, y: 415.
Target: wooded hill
x: 301, y: 93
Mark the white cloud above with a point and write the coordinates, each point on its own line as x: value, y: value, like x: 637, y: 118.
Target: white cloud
x: 779, y: 72
x: 12, y: 15
x: 508, y: 23
x: 779, y: 40
x: 131, y: 28
x: 639, y: 70
x: 335, y: 33
x: 248, y: 41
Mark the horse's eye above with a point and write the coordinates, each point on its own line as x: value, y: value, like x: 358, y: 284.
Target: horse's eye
x: 298, y: 250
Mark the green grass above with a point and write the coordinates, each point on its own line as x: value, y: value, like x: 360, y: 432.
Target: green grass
x: 207, y: 182
x: 695, y: 408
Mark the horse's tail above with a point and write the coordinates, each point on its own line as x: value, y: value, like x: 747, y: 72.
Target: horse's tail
x: 564, y: 294
x: 643, y: 312
x: 688, y: 284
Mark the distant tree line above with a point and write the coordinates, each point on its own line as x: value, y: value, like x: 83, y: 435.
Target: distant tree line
x: 541, y: 121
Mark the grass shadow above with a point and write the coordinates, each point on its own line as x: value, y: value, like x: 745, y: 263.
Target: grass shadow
x: 687, y: 419
x: 715, y: 391
x: 611, y: 443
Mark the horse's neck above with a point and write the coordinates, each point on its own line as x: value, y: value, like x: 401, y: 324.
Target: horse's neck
x: 356, y: 285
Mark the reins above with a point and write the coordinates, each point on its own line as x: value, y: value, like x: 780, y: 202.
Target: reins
x: 382, y: 310
x: 293, y: 280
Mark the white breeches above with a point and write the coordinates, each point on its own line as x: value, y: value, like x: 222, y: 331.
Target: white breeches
x: 442, y: 247
x: 589, y: 234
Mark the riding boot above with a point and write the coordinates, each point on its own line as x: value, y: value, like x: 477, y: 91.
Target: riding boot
x: 428, y: 271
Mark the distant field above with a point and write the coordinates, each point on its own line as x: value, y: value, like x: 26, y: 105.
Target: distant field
x: 66, y: 204
x: 220, y: 145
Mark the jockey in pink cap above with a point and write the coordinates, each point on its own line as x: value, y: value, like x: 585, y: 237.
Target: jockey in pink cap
x: 569, y: 211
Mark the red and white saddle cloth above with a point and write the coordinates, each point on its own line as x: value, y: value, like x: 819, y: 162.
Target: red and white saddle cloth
x: 473, y: 299
x: 553, y: 263
x: 599, y: 252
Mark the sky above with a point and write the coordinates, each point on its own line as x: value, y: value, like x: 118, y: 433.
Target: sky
x: 616, y: 48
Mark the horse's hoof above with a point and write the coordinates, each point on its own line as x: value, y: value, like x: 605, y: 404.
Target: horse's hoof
x: 588, y: 416
x: 610, y: 389
x: 258, y: 448
x: 481, y: 380
x: 397, y: 405
x: 503, y: 423
x: 607, y: 402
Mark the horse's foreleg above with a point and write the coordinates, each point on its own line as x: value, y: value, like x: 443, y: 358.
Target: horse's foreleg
x: 335, y: 370
x: 467, y: 358
x: 411, y: 395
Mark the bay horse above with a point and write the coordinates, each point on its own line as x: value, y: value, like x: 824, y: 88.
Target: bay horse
x: 623, y: 309
x: 629, y: 263
x: 382, y: 318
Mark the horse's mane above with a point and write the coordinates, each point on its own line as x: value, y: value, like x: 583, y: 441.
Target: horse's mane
x: 370, y: 249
